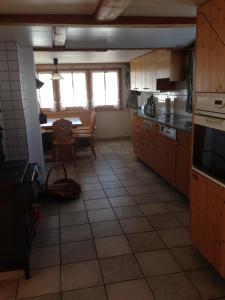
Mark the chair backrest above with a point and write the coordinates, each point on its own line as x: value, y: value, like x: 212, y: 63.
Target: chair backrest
x: 92, y: 121
x: 62, y: 130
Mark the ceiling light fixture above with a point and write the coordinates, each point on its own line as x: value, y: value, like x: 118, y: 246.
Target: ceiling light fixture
x: 56, y: 75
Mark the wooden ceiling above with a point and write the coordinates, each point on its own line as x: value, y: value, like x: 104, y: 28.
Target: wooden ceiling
x: 62, y: 21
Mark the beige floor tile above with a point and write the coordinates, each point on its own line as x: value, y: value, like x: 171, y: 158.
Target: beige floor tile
x: 86, y: 187
x: 128, y: 212
x: 73, y: 219
x: 43, y: 282
x: 129, y: 290
x: 189, y: 258
x: 45, y: 257
x: 121, y: 201
x: 154, y: 209
x: 104, y: 178
x: 167, y: 221
x: 135, y: 225
x: 75, y: 233
x: 46, y: 237
x: 138, y: 190
x: 112, y: 246
x: 131, y: 182
x: 97, y: 293
x: 208, y: 283
x: 81, y: 275
x: 157, y: 263
x: 120, y: 268
x: 116, y: 192
x: 104, y: 229
x: 48, y: 222
x: 8, y: 289
x: 177, y: 206
x: 91, y: 179
x: 169, y: 196
x: 97, y: 204
x: 78, y: 251
x: 175, y: 237
x: 101, y: 215
x: 93, y: 195
x: 71, y: 206
x: 145, y: 241
x: 145, y: 198
x: 173, y: 287
x: 183, y: 218
x: 160, y: 187
x: 111, y: 184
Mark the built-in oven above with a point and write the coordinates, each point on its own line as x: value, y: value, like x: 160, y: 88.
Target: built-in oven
x: 209, y: 136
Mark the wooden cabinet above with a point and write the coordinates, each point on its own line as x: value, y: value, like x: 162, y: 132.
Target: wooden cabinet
x: 160, y: 64
x: 210, y: 48
x: 136, y: 69
x: 207, y: 214
x: 183, y: 162
x: 170, y: 158
x: 167, y: 158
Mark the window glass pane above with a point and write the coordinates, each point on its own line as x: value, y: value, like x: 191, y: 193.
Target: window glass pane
x: 105, y: 88
x: 112, y: 88
x: 73, y: 90
x: 98, y: 89
x: 80, y: 89
x: 66, y: 90
x: 45, y: 93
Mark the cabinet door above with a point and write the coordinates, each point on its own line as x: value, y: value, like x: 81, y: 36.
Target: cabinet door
x: 138, y: 73
x: 167, y: 158
x: 210, y: 57
x: 146, y: 73
x: 163, y: 70
x: 198, y: 212
x: 133, y: 74
x: 153, y: 68
x: 183, y: 162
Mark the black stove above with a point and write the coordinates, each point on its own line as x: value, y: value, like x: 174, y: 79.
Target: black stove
x: 13, y: 170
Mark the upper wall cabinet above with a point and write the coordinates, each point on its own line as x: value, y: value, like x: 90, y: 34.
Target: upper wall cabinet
x: 160, y: 64
x: 210, y: 49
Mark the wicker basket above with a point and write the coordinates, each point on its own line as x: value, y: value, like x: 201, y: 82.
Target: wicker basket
x: 64, y: 188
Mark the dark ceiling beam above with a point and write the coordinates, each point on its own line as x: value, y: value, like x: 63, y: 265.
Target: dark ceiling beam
x: 109, y: 10
x: 77, y: 20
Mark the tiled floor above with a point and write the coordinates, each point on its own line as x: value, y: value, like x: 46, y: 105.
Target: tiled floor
x: 126, y: 237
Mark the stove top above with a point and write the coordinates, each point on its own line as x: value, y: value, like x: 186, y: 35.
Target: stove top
x: 13, y: 170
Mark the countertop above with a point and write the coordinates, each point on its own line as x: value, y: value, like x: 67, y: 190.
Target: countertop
x: 172, y: 120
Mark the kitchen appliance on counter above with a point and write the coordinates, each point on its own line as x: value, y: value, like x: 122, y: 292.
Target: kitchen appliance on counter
x: 19, y: 183
x: 209, y: 136
x: 150, y: 106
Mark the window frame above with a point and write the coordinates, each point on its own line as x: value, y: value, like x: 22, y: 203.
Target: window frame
x: 107, y: 107
x: 88, y: 72
x: 73, y: 107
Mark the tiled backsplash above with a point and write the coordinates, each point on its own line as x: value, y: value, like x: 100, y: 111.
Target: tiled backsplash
x: 178, y: 101
x: 12, y: 115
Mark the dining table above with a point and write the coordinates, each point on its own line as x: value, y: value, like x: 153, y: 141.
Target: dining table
x: 48, y: 126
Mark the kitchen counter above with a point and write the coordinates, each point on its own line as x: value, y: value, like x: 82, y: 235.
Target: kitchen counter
x: 175, y: 121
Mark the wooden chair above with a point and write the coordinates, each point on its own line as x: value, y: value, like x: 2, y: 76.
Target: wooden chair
x: 87, y: 133
x: 63, y: 139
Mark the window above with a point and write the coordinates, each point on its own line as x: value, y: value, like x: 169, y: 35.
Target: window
x: 105, y: 88
x: 73, y: 90
x: 45, y: 94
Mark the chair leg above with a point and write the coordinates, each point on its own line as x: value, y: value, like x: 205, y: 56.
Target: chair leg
x: 93, y: 147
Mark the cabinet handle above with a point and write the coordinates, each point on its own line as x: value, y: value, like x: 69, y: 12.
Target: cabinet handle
x: 146, y: 88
